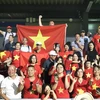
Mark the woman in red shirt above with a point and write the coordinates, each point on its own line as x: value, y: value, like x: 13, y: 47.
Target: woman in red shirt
x: 60, y: 82
x: 79, y: 84
x: 94, y: 83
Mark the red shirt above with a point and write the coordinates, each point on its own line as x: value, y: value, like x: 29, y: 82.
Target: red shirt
x: 79, y: 88
x: 88, y: 73
x: 96, y: 40
x: 60, y: 91
x: 68, y: 64
x: 41, y: 51
x: 16, y: 58
x: 29, y: 94
x: 92, y: 88
x: 74, y: 66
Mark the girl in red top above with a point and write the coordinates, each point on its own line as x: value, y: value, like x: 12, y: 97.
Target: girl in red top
x: 32, y: 85
x: 33, y: 61
x: 60, y: 82
x: 79, y: 84
x: 94, y: 83
x: 88, y: 72
x: 48, y: 93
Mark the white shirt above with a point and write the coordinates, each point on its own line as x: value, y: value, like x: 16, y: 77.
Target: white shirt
x: 7, y: 36
x: 10, y: 86
x: 26, y: 48
x: 1, y: 79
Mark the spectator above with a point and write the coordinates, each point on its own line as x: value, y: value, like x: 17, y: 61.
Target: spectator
x: 48, y: 64
x: 78, y: 45
x: 33, y: 61
x: 10, y: 46
x: 51, y: 23
x: 7, y: 34
x: 31, y: 85
x: 85, y: 39
x: 9, y: 86
x: 94, y: 83
x: 39, y: 48
x: 60, y: 82
x: 96, y: 40
x: 25, y: 47
x: 48, y: 93
x: 79, y: 84
x: 91, y: 54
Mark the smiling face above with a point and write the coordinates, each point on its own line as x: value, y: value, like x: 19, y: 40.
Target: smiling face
x: 60, y: 69
x: 33, y: 59
x: 96, y: 71
x: 31, y: 71
x: 47, y: 89
x: 80, y: 73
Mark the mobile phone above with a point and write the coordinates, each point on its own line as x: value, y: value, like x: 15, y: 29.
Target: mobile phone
x: 68, y: 71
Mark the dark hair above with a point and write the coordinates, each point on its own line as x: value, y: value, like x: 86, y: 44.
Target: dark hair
x: 93, y: 44
x: 70, y: 55
x: 77, y: 71
x: 60, y: 64
x: 44, y: 86
x: 18, y: 43
x: 69, y: 45
x: 30, y: 58
x: 59, y: 58
x: 30, y: 66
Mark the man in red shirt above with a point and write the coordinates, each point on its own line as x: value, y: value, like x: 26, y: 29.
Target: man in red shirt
x: 96, y: 40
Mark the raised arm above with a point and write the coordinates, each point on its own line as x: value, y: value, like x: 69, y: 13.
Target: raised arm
x: 40, y: 21
x: 1, y: 32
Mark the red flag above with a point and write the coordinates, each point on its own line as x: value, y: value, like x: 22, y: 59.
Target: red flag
x: 47, y: 35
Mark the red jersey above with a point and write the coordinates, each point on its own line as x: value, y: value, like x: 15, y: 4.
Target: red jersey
x: 60, y: 91
x: 16, y: 58
x: 92, y: 88
x: 74, y: 66
x: 88, y: 73
x: 33, y: 92
x: 96, y: 40
x: 80, y: 88
x: 68, y: 64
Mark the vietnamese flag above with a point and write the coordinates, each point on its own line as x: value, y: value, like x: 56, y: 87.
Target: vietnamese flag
x: 47, y: 35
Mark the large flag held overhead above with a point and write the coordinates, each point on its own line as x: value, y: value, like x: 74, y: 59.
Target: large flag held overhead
x: 47, y: 35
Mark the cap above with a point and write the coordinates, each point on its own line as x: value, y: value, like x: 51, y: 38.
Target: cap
x: 52, y: 52
x: 38, y: 43
x: 9, y: 27
x: 84, y: 96
x: 83, y: 31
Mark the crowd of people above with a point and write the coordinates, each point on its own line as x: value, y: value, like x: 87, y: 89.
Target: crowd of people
x: 64, y: 74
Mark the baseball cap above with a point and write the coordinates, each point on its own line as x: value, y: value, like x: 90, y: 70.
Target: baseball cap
x: 52, y: 52
x: 84, y: 96
x: 9, y: 27
x: 38, y: 43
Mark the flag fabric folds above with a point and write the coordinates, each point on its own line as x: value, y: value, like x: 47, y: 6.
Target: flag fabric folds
x: 47, y: 35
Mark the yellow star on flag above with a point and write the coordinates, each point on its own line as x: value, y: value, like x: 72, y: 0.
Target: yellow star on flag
x: 60, y: 90
x: 74, y: 68
x: 2, y: 54
x: 80, y: 91
x: 64, y: 56
x: 16, y: 57
x: 39, y: 38
x: 94, y: 86
x: 88, y: 75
